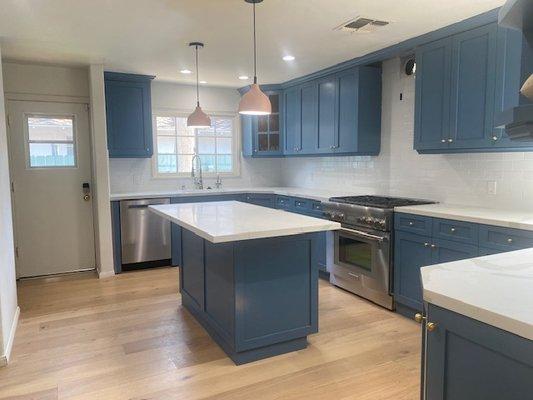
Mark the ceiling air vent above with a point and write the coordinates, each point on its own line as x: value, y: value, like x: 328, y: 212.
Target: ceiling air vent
x: 362, y: 25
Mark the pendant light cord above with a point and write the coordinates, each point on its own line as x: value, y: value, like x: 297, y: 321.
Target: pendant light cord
x: 197, y: 79
x: 255, y: 51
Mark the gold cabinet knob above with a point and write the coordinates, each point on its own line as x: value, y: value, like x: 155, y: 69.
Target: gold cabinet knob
x: 431, y: 326
x: 411, y: 223
x: 443, y: 140
x: 419, y: 318
x: 452, y: 230
x: 433, y: 246
x: 509, y: 240
x: 426, y: 244
x: 450, y: 140
x: 495, y: 138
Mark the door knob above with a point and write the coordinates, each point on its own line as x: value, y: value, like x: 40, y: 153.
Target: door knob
x: 86, y: 191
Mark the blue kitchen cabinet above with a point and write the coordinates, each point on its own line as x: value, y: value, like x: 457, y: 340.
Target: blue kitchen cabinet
x: 293, y: 120
x: 465, y: 359
x: 327, y: 115
x: 359, y: 111
x: 432, y: 97
x: 444, y: 251
x: 472, y: 87
x: 262, y: 135
x: 309, y: 114
x: 512, y: 46
x: 463, y: 83
x: 411, y: 252
x: 128, y: 115
x: 260, y: 199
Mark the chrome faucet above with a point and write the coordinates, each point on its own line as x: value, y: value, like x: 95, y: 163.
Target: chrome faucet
x: 197, y: 179
x: 218, y: 183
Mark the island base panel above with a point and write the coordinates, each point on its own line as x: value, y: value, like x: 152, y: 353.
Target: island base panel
x: 256, y: 298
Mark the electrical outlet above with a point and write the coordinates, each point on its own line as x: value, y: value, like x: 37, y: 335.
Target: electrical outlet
x: 492, y: 187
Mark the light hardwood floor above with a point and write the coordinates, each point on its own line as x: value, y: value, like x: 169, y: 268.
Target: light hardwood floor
x: 128, y: 337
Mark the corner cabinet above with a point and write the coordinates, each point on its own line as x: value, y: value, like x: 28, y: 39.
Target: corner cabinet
x: 262, y: 135
x: 461, y: 84
x: 129, y: 115
x: 465, y: 359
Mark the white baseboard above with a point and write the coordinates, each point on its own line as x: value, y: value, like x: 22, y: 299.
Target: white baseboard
x: 105, y: 274
x: 4, y: 360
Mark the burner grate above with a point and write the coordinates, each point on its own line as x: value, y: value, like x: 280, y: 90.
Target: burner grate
x: 379, y: 201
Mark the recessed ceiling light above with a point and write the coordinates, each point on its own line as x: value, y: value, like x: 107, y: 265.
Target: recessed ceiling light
x: 203, y: 82
x: 244, y: 77
x: 186, y: 71
x: 288, y: 58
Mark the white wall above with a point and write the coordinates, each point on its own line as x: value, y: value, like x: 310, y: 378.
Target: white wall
x: 8, y: 287
x: 400, y: 170
x: 135, y: 175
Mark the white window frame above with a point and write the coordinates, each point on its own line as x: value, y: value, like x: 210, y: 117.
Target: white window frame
x: 27, y: 139
x: 236, y: 143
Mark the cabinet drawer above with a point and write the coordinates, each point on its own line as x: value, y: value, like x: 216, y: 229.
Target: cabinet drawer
x: 413, y: 223
x: 504, y: 239
x: 303, y: 206
x: 283, y: 202
x: 464, y: 232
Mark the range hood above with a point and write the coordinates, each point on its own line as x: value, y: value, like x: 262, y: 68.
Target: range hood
x: 518, y: 118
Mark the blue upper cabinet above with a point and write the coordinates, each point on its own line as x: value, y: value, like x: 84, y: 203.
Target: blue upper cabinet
x: 432, y: 98
x: 327, y: 115
x: 472, y: 87
x: 309, y: 111
x: 462, y: 83
x: 337, y: 114
x: 129, y: 115
x: 262, y: 136
x: 293, y: 120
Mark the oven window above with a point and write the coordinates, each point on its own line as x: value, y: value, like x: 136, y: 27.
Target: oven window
x: 356, y: 253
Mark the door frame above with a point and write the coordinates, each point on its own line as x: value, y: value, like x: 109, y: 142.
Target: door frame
x: 13, y: 97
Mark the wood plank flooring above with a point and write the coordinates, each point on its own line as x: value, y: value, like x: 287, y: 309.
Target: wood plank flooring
x: 128, y: 337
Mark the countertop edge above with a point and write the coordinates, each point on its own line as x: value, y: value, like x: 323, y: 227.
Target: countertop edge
x: 460, y: 216
x: 488, y: 317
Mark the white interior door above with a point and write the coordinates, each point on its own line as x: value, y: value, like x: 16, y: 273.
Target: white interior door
x: 49, y: 147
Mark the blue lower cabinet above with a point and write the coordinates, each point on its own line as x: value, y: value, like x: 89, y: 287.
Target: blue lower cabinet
x: 411, y: 252
x: 116, y: 232
x: 466, y: 359
x: 256, y: 298
x: 444, y: 251
x: 283, y: 203
x: 265, y: 200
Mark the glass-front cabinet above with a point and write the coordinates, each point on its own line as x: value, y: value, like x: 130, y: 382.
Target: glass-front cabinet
x: 263, y: 134
x: 268, y: 129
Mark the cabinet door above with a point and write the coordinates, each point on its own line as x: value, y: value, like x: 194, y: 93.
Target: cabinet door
x: 247, y: 135
x: 346, y: 138
x: 309, y: 93
x: 327, y: 115
x: 432, y: 103
x: 467, y: 359
x: 293, y: 120
x: 473, y: 85
x: 411, y: 252
x: 510, y: 44
x: 267, y: 130
x: 447, y: 251
x: 129, y: 119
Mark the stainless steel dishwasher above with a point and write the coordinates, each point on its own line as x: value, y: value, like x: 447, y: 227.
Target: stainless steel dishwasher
x: 145, y: 236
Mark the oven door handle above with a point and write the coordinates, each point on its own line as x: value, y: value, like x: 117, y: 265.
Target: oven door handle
x: 364, y: 234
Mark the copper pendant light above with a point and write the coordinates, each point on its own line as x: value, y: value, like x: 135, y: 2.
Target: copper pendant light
x: 198, y: 119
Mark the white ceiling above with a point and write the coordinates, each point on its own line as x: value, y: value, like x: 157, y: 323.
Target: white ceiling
x: 151, y: 36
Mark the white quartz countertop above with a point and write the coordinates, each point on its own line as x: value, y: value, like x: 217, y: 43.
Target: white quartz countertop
x: 496, y: 289
x: 480, y: 215
x: 315, y: 194
x: 228, y: 221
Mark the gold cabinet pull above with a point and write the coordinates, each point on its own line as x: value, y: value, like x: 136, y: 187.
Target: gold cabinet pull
x: 431, y: 326
x: 419, y: 318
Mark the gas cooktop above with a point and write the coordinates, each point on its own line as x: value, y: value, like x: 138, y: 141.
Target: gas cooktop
x: 379, y: 201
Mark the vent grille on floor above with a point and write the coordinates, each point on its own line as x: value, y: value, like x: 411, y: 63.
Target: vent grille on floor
x: 361, y: 25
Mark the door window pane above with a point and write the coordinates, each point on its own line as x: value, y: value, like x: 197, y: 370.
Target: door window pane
x: 51, y: 141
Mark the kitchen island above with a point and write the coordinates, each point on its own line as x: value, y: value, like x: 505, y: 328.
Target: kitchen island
x: 249, y: 274
x: 478, y: 328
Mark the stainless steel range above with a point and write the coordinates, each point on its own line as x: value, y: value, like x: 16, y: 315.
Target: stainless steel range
x: 360, y: 254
